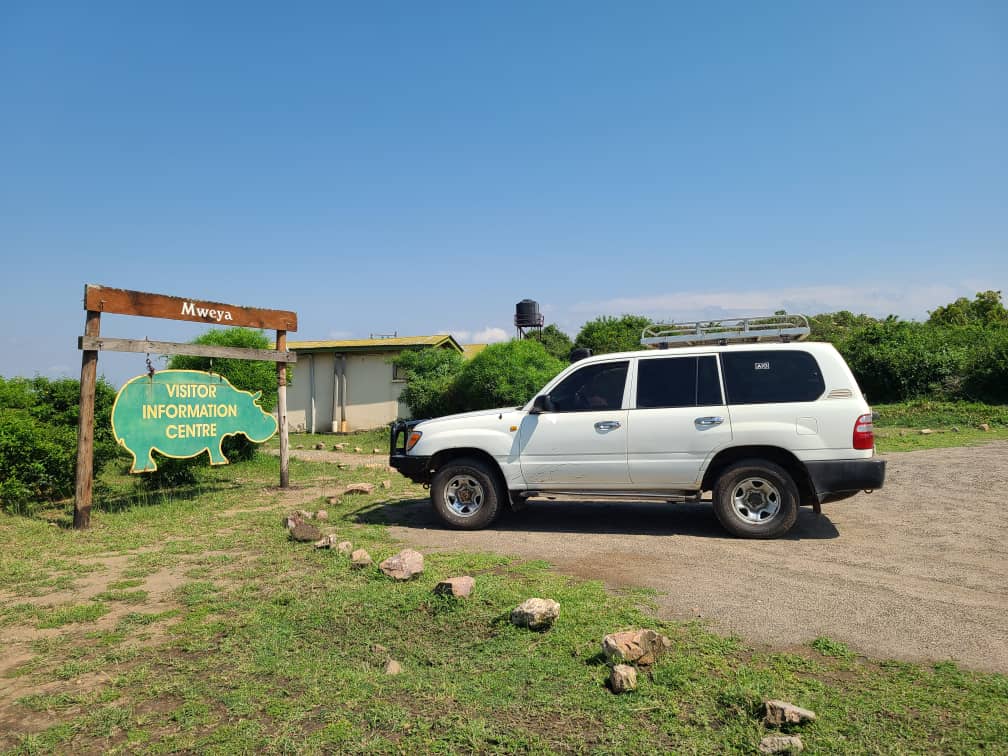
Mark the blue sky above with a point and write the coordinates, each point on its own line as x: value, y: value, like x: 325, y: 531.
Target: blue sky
x: 418, y: 168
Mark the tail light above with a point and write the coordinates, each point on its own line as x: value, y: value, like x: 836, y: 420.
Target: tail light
x: 864, y: 432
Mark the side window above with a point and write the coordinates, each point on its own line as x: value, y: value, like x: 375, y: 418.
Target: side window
x: 678, y: 382
x: 763, y: 377
x: 594, y: 387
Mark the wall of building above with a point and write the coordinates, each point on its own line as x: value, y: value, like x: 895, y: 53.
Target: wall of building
x: 372, y: 394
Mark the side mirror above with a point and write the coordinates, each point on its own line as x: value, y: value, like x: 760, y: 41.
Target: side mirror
x: 542, y: 403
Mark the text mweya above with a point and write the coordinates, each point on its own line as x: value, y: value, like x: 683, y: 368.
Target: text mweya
x: 188, y: 308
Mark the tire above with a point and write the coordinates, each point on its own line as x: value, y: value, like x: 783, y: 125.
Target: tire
x: 755, y: 498
x: 466, y: 494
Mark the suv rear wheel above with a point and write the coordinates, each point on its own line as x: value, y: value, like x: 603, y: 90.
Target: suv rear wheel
x: 755, y: 498
x: 466, y: 494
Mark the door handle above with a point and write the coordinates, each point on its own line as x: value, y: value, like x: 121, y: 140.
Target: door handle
x: 607, y: 425
x: 709, y: 422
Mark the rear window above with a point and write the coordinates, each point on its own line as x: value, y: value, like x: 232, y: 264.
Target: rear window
x: 763, y: 377
x: 677, y: 382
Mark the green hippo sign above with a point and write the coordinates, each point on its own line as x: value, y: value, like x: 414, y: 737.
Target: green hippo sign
x: 183, y: 413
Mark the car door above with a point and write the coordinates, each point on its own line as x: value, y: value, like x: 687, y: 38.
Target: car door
x: 581, y: 443
x: 678, y: 419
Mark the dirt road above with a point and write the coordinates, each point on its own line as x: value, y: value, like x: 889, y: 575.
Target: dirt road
x: 917, y: 571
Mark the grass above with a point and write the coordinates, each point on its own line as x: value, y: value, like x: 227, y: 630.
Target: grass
x: 365, y: 440
x: 898, y: 426
x: 259, y: 644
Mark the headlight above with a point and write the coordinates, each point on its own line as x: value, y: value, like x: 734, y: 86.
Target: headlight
x: 414, y: 437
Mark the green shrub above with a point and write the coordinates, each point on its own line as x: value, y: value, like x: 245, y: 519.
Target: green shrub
x: 38, y: 439
x: 607, y: 334
x: 430, y: 381
x: 506, y: 374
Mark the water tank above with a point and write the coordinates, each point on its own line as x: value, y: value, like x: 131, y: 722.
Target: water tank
x: 527, y: 314
x: 579, y: 353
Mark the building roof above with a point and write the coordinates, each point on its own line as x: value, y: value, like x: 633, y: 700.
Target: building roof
x: 471, y: 350
x: 391, y: 344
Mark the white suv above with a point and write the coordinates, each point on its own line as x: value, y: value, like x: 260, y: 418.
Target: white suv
x: 765, y: 427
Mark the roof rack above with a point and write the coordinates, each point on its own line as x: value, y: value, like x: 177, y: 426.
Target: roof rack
x: 728, y: 330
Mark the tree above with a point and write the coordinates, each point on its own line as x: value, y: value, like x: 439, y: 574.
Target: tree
x: 609, y: 334
x: 557, y: 342
x: 835, y: 326
x: 505, y: 374
x: 248, y: 375
x: 985, y: 309
x: 430, y: 380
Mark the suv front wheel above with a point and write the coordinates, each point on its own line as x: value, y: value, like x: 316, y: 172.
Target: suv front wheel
x: 466, y: 494
x: 755, y: 498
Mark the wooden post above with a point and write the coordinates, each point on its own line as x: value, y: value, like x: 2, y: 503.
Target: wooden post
x: 85, y: 427
x: 281, y: 345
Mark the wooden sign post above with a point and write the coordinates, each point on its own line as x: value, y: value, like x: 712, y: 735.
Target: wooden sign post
x: 99, y: 299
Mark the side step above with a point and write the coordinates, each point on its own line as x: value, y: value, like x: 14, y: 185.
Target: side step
x: 672, y: 497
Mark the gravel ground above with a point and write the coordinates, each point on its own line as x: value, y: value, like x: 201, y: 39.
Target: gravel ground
x: 916, y: 571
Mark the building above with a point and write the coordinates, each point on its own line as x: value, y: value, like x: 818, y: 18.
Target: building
x: 351, y: 384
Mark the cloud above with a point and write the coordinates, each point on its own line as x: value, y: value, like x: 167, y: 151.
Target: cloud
x: 907, y: 301
x: 489, y: 335
x: 339, y: 335
x: 460, y: 335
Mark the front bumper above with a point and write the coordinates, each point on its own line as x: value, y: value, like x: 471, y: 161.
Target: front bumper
x: 416, y: 468
x: 846, y: 476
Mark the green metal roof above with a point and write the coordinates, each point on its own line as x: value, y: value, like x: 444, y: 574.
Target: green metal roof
x: 391, y: 344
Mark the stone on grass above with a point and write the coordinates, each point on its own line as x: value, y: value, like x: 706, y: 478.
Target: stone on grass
x: 327, y: 542
x: 359, y: 488
x: 784, y: 713
x: 635, y: 646
x: 622, y: 678
x: 344, y: 547
x: 376, y: 450
x: 392, y: 667
x: 319, y: 447
x: 925, y: 431
x: 304, y: 514
x: 321, y: 515
x: 458, y: 587
x: 535, y: 614
x: 361, y: 559
x: 304, y: 532
x: 405, y: 565
x: 338, y: 447
x: 386, y: 484
x: 358, y: 449
x: 781, y: 744
x: 984, y: 427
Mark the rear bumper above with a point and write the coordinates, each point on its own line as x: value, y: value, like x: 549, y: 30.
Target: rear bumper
x: 846, y: 475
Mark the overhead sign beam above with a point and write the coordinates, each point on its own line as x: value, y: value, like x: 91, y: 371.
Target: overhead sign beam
x: 124, y: 302
x: 105, y: 344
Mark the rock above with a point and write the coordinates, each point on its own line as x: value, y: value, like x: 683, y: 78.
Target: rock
x: 535, y: 614
x: 299, y: 446
x: 376, y: 450
x: 459, y: 587
x: 784, y: 713
x: 343, y: 466
x: 623, y: 679
x: 984, y: 427
x: 925, y: 431
x: 357, y: 449
x: 359, y: 488
x: 321, y: 515
x: 392, y: 667
x: 405, y: 565
x: 319, y: 447
x: 344, y: 547
x: 781, y: 744
x: 304, y: 515
x: 955, y: 428
x: 635, y: 646
x: 327, y: 542
x: 291, y: 520
x: 361, y: 559
x: 334, y: 500
x: 304, y: 532
x: 386, y: 484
